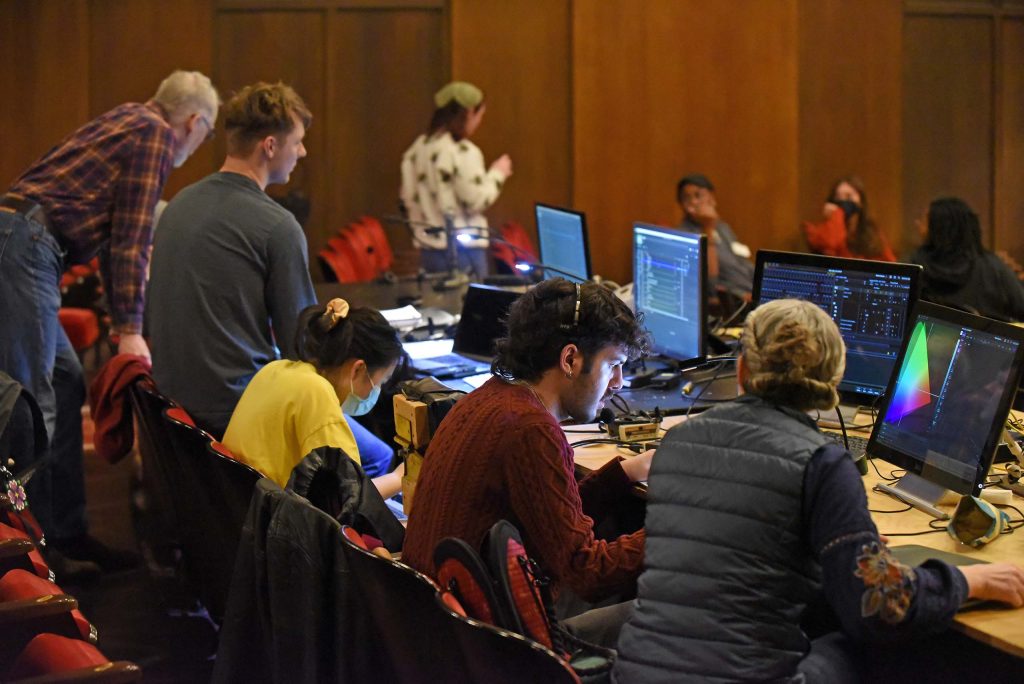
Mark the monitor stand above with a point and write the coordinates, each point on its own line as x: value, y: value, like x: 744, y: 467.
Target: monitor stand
x: 919, y: 493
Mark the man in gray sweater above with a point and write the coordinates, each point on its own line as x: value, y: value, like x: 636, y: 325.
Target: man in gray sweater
x: 230, y: 272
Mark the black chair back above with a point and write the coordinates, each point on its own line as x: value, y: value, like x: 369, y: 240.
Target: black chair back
x: 498, y: 656
x: 415, y: 635
x: 209, y: 490
x: 157, y: 517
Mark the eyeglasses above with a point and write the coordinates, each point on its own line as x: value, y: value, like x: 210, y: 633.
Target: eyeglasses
x: 209, y: 127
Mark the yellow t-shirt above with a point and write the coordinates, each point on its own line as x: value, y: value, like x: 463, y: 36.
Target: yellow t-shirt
x: 287, y: 411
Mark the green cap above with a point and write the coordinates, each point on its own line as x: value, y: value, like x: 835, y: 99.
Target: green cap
x: 466, y: 94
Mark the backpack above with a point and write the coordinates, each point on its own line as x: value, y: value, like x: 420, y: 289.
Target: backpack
x: 502, y: 586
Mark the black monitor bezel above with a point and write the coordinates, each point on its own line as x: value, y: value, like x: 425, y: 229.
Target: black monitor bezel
x: 702, y: 342
x: 910, y: 463
x: 914, y: 271
x: 464, y: 335
x: 583, y: 225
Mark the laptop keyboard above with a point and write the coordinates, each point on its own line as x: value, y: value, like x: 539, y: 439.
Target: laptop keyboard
x: 858, y: 444
x: 450, y: 366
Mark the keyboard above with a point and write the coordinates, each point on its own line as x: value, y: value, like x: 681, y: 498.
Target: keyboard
x: 858, y: 444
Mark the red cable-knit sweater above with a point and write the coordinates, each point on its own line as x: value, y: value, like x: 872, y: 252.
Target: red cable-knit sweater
x: 500, y: 454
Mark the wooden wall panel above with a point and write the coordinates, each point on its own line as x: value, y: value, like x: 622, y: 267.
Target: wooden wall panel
x: 683, y: 86
x: 154, y: 37
x: 44, y: 66
x: 947, y: 114
x: 384, y: 68
x: 519, y: 53
x: 1010, y: 172
x: 850, y: 99
x: 290, y: 47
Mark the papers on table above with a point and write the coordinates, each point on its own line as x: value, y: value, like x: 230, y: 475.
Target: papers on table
x: 405, y: 317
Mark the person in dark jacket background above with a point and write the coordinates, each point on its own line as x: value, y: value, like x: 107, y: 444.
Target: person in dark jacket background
x: 958, y: 271
x: 753, y: 515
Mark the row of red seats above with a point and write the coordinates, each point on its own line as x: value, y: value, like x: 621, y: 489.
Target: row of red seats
x: 44, y: 633
x: 81, y: 314
x: 359, y: 252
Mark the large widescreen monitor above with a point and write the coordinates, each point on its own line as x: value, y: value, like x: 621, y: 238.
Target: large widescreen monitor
x: 870, y: 301
x: 943, y: 412
x: 669, y: 274
x: 562, y: 234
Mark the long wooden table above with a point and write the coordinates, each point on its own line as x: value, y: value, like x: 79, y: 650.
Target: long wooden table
x: 1000, y: 628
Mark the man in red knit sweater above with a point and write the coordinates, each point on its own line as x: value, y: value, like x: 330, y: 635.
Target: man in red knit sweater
x: 500, y: 452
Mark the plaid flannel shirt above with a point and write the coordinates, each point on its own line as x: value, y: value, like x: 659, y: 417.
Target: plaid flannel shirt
x: 99, y: 187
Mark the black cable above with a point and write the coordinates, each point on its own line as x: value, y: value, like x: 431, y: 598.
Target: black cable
x: 637, y: 447
x: 725, y: 324
x: 898, y: 510
x: 1015, y: 524
x: 914, y: 534
x: 619, y: 402
x: 842, y: 426
x: 693, y: 401
x: 585, y: 432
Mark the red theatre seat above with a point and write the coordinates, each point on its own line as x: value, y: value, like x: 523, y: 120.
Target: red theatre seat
x: 50, y: 654
x: 81, y: 325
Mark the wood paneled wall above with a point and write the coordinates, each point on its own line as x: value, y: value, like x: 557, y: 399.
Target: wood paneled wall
x: 963, y: 112
x: 602, y: 104
x: 520, y: 53
x: 850, y: 98
x: 671, y: 90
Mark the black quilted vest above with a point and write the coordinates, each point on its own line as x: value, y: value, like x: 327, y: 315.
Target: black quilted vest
x: 727, y: 572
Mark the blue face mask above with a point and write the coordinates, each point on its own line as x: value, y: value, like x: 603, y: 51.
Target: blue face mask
x: 354, y: 406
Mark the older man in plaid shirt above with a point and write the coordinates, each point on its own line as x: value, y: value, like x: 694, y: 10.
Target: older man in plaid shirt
x: 92, y: 194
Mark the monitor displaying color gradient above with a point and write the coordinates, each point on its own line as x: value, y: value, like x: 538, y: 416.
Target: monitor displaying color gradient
x: 944, y: 410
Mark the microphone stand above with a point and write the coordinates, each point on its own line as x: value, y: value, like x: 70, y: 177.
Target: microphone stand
x: 457, y: 278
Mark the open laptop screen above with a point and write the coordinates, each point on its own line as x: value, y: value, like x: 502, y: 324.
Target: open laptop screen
x: 483, y: 320
x: 870, y: 301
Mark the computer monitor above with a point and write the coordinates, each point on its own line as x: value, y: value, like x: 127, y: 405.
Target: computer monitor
x: 944, y: 410
x: 669, y: 273
x: 562, y: 234
x: 870, y: 301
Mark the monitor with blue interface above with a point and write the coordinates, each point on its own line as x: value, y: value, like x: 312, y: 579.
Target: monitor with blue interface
x: 944, y: 410
x: 669, y: 275
x: 870, y: 301
x: 562, y: 234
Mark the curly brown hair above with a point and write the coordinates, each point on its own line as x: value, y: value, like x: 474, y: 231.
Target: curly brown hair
x: 793, y: 354
x: 259, y: 110
x: 543, y: 320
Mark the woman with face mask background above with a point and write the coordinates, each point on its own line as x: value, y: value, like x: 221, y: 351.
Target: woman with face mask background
x: 294, y: 406
x: 847, y: 229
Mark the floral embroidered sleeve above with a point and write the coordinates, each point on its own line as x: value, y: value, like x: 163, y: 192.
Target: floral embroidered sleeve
x: 874, y: 596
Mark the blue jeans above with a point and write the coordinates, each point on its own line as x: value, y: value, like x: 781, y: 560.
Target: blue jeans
x: 35, y: 351
x: 374, y: 453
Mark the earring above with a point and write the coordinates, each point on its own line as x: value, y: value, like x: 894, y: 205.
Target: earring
x: 569, y: 375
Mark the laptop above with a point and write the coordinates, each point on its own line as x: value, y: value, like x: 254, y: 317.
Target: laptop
x: 472, y: 349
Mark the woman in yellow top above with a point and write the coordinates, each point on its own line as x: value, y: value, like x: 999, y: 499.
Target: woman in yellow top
x: 294, y: 406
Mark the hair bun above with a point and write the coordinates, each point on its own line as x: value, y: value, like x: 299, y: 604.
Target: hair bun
x: 336, y: 310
